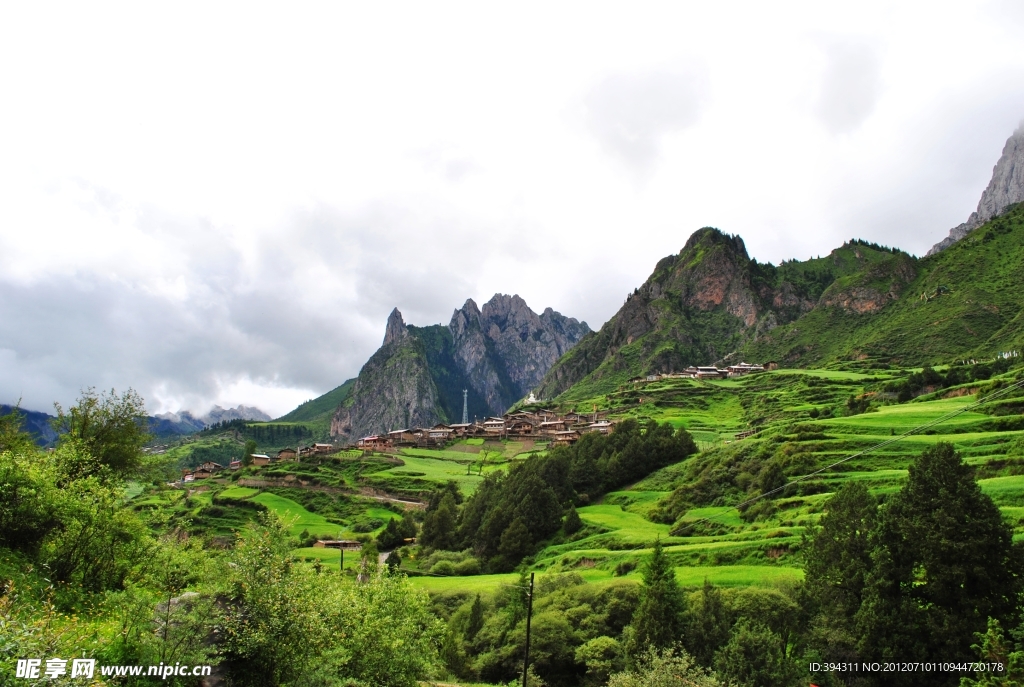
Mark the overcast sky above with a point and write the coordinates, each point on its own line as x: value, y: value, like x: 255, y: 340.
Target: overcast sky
x: 214, y: 203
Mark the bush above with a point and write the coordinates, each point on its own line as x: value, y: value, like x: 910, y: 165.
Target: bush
x: 443, y: 568
x: 470, y: 566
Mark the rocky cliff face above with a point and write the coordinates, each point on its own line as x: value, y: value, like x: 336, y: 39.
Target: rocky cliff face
x: 1005, y: 189
x: 506, y: 348
x: 707, y: 302
x: 394, y: 389
x: 498, y: 354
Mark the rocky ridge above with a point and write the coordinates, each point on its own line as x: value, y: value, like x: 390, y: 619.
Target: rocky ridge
x: 1004, y: 189
x: 712, y: 299
x: 497, y: 353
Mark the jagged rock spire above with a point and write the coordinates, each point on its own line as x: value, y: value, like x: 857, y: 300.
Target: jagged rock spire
x: 396, y: 329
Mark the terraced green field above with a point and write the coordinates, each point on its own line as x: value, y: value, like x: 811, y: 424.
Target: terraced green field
x: 798, y: 413
x: 439, y: 471
x: 298, y: 517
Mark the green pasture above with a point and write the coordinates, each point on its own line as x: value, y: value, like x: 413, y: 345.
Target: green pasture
x: 441, y: 454
x: 436, y: 470
x: 238, y: 492
x: 626, y: 525
x: 301, y: 519
x: 724, y: 515
x: 820, y: 374
x: 904, y: 416
x: 738, y: 575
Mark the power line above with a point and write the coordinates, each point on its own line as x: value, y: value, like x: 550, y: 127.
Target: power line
x: 888, y: 442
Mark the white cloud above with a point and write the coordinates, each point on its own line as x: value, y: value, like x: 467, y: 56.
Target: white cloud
x: 217, y: 204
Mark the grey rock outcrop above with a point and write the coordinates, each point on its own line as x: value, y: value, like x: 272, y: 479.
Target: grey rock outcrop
x: 394, y: 389
x: 1005, y: 189
x: 505, y: 349
x: 497, y: 353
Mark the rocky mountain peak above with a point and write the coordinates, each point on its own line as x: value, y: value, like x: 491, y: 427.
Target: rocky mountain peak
x: 707, y: 237
x: 497, y: 353
x: 396, y: 329
x: 1005, y: 188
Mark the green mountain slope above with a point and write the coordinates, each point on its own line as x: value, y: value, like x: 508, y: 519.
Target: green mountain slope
x: 963, y: 302
x: 322, y: 407
x: 712, y: 299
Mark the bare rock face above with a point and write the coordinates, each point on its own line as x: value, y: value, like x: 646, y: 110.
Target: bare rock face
x: 505, y: 349
x: 416, y: 378
x: 1005, y: 189
x: 394, y: 389
x: 396, y: 329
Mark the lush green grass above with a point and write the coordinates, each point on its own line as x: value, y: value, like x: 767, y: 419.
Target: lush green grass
x: 723, y: 515
x: 298, y: 517
x: 433, y: 470
x: 239, y: 492
x: 629, y: 526
x: 737, y: 575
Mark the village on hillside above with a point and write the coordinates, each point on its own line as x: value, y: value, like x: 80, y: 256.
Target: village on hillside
x: 557, y: 429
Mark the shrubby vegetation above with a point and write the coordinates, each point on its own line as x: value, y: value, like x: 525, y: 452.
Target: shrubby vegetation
x: 511, y: 513
x: 117, y: 590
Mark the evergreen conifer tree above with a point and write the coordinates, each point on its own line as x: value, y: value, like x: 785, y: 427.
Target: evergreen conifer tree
x: 944, y: 563
x: 658, y: 619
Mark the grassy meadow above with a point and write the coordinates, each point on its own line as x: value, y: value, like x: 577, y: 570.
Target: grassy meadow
x: 804, y: 414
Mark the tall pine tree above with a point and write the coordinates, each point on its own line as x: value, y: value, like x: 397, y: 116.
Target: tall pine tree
x: 658, y: 619
x: 944, y: 562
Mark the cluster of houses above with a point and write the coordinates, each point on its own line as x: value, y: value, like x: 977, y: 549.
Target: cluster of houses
x: 706, y: 372
x: 560, y: 430
x: 210, y: 468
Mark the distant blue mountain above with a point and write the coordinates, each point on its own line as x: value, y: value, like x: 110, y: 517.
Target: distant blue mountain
x: 165, y: 425
x: 35, y: 423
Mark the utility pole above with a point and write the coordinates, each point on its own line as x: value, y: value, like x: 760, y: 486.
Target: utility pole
x: 529, y: 613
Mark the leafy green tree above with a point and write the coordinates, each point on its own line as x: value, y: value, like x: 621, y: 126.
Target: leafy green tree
x: 516, y: 541
x: 248, y: 451
x: 393, y: 561
x: 407, y: 527
x: 754, y: 656
x: 27, y: 493
x: 658, y: 620
x: 669, y: 667
x: 13, y: 436
x: 274, y: 628
x: 602, y: 656
x: 994, y: 647
x: 944, y: 562
x: 390, y: 636
x: 93, y: 542
x: 162, y: 622
x: 391, y: 536
x: 112, y: 428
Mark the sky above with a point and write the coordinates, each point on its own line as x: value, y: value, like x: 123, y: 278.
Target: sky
x: 218, y: 203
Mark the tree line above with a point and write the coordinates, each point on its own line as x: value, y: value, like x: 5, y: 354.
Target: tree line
x: 512, y: 513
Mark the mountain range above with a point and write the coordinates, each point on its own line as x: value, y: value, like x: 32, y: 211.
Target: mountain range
x: 863, y: 304
x: 496, y: 354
